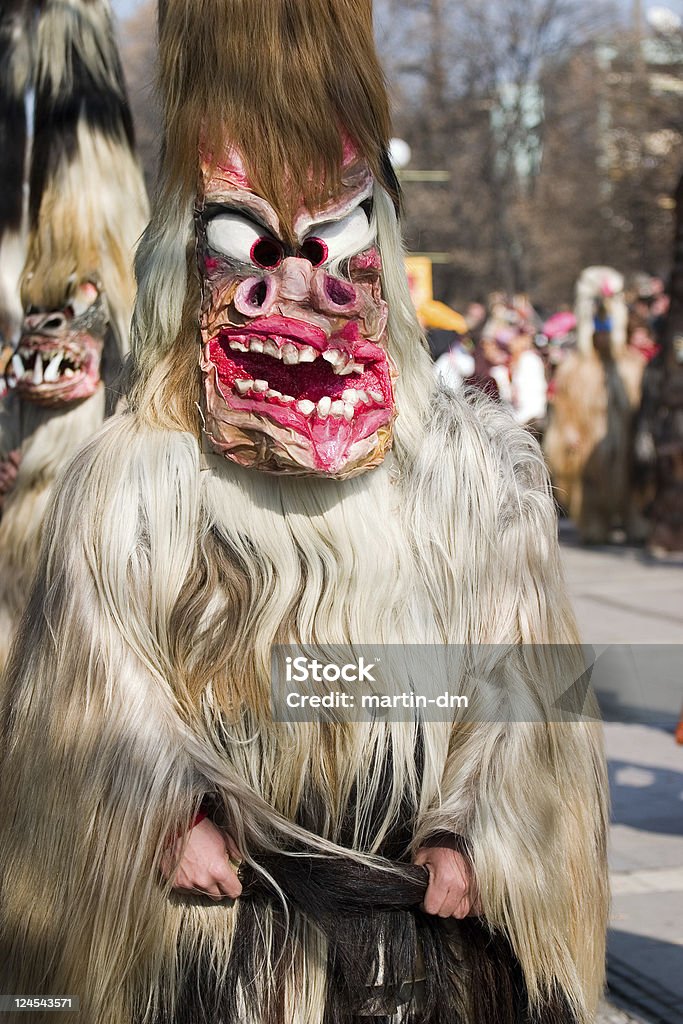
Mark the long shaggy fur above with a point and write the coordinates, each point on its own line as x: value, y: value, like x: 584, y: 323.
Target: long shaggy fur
x: 140, y: 683
x: 88, y: 209
x: 296, y: 75
x: 184, y: 572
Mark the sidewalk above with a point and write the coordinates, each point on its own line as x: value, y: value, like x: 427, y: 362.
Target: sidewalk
x: 622, y: 598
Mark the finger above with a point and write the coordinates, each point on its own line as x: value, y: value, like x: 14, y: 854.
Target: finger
x: 447, y: 907
x: 212, y: 891
x: 462, y: 908
x: 437, y: 891
x: 235, y: 855
x: 228, y: 881
x: 231, y: 889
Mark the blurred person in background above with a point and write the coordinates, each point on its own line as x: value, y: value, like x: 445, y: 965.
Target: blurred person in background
x: 456, y: 364
x: 528, y: 384
x: 589, y: 440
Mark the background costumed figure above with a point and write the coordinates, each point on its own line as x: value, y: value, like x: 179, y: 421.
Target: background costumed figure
x: 288, y: 471
x: 589, y: 440
x: 87, y: 210
x: 14, y: 71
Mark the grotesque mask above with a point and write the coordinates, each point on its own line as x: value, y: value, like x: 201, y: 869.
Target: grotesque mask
x: 57, y: 360
x: 296, y: 376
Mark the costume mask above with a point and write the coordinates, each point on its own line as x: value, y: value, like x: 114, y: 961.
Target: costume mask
x: 57, y: 360
x: 296, y: 376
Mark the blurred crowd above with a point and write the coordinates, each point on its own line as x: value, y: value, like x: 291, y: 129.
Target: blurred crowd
x: 512, y: 349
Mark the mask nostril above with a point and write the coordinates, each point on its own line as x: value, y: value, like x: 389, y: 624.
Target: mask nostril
x: 257, y: 295
x: 54, y: 323
x: 340, y: 293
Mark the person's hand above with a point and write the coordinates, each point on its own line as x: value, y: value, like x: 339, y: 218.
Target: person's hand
x: 205, y: 863
x: 451, y: 891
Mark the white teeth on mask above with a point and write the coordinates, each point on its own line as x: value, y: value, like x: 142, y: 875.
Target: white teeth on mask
x: 17, y: 366
x: 68, y: 373
x: 342, y: 363
x: 260, y: 386
x: 335, y: 357
x: 376, y: 396
x: 352, y: 367
x: 363, y: 395
x: 256, y: 345
x: 38, y: 369
x: 25, y: 353
x: 243, y: 386
x: 305, y: 406
x: 348, y: 411
x: 324, y: 406
x: 287, y: 398
x: 307, y: 354
x: 272, y: 393
x: 271, y: 349
x: 290, y: 354
x: 351, y: 396
x: 238, y: 346
x: 337, y: 408
x: 52, y: 369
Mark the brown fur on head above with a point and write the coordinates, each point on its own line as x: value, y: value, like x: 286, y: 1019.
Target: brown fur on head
x: 284, y: 81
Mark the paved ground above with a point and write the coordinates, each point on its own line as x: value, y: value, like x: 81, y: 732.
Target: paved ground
x: 622, y: 598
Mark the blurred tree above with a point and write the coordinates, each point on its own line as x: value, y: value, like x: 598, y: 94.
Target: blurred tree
x: 139, y: 50
x: 560, y: 127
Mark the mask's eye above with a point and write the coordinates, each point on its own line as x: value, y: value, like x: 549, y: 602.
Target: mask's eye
x: 240, y: 239
x: 339, y: 239
x: 315, y: 251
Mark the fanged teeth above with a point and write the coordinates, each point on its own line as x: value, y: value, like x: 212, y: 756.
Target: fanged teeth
x: 337, y: 408
x: 324, y: 406
x: 376, y: 396
x: 244, y: 385
x: 17, y: 366
x: 290, y: 354
x: 238, y: 346
x: 256, y: 345
x: 307, y: 354
x: 38, y: 370
x: 260, y: 386
x: 305, y: 406
x: 52, y: 369
x: 271, y: 349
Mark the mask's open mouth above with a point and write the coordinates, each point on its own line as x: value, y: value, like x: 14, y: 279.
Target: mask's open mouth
x: 51, y: 371
x: 289, y: 371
